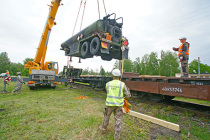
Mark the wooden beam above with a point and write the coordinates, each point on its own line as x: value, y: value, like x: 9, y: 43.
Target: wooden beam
x: 166, y: 124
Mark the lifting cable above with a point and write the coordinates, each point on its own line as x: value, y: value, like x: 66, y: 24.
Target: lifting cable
x: 98, y: 9
x: 77, y: 17
x: 83, y: 15
x: 105, y: 8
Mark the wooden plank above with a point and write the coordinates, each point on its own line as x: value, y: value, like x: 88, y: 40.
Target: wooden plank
x: 166, y: 124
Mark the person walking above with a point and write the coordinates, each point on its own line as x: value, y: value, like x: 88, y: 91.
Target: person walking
x: 114, y: 102
x: 19, y: 84
x: 183, y: 54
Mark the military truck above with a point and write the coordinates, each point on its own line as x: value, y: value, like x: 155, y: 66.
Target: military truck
x: 102, y: 38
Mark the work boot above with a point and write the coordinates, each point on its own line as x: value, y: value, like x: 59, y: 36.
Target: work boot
x: 12, y: 93
x: 116, y: 137
x: 103, y: 131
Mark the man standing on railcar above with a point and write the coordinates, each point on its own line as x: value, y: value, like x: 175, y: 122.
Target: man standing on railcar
x: 114, y: 102
x: 183, y: 53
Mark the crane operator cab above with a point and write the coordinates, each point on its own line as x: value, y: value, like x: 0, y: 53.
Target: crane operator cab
x: 52, y: 66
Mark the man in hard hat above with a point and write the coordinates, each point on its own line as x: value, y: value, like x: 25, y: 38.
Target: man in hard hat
x: 19, y: 83
x: 114, y: 102
x: 183, y: 53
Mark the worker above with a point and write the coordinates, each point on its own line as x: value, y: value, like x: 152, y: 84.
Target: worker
x: 6, y: 81
x: 114, y: 102
x: 19, y: 83
x: 183, y: 54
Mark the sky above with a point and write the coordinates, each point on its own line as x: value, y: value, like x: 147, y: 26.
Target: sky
x: 149, y: 25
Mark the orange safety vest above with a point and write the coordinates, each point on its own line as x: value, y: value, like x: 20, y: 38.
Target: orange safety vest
x: 180, y: 49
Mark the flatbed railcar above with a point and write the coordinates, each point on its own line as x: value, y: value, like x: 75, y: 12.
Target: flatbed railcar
x: 155, y: 88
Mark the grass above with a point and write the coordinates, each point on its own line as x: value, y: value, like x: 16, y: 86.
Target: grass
x: 193, y: 101
x: 56, y: 114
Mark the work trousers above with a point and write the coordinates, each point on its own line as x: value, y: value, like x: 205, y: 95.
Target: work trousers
x: 185, y: 70
x: 18, y: 88
x: 118, y: 114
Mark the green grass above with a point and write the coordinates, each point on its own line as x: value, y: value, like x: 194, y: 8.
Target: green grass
x: 56, y: 114
x: 193, y: 101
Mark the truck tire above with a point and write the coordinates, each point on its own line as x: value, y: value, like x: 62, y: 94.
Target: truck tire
x: 95, y: 46
x: 85, y: 50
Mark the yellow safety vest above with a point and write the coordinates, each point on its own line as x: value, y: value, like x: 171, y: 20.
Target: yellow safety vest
x: 115, y: 93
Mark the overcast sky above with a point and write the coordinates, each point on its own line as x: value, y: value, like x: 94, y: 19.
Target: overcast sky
x: 150, y: 25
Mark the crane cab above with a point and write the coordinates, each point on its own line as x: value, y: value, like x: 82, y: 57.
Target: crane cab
x: 51, y: 66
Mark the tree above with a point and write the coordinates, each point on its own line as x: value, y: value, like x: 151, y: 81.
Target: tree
x: 152, y: 66
x: 27, y: 59
x: 85, y: 71
x: 193, y: 66
x: 116, y: 64
x: 102, y: 71
x: 144, y: 64
x: 92, y: 72
x: 169, y: 63
x: 128, y: 65
x: 25, y: 72
x: 137, y: 65
x: 16, y: 67
x: 4, y: 62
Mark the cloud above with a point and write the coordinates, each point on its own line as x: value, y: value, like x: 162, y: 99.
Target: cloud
x: 149, y: 25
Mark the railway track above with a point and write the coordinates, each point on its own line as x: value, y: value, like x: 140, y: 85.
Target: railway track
x: 198, y: 109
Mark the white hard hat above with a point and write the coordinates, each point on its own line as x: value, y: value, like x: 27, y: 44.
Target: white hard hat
x: 183, y: 38
x: 116, y: 72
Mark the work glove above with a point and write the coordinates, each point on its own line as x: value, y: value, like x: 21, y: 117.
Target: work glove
x: 181, y: 57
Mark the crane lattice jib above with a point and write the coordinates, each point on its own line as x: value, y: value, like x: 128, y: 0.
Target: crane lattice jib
x: 42, y: 48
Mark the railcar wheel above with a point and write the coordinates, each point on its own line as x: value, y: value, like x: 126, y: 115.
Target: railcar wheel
x: 85, y: 50
x: 155, y: 97
x: 95, y: 46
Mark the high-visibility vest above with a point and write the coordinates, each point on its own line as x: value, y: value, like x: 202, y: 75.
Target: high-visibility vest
x: 115, y: 93
x: 181, y: 47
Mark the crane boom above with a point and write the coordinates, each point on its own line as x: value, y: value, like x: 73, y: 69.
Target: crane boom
x: 39, y: 59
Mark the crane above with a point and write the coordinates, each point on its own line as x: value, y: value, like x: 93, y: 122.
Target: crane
x: 39, y: 61
x: 41, y: 72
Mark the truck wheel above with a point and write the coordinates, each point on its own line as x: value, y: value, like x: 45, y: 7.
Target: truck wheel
x: 32, y: 88
x: 95, y: 46
x: 106, y: 57
x: 85, y: 50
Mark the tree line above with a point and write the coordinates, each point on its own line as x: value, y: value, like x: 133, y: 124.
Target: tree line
x: 149, y: 64
x: 6, y: 64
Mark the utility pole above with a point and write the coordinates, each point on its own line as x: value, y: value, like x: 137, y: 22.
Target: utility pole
x: 199, y: 70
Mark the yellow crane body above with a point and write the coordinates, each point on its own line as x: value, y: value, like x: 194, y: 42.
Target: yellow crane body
x: 39, y: 61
